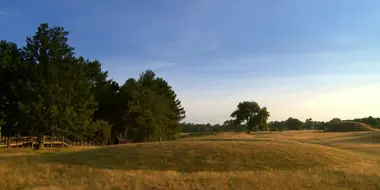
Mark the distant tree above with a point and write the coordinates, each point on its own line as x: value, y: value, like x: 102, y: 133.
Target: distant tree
x: 277, y: 126
x: 293, y: 124
x: 217, y: 127
x: 188, y: 128
x: 231, y: 125
x: 372, y: 121
x: 335, y: 120
x: 309, y: 124
x: 250, y: 114
x: 320, y: 125
x: 263, y: 116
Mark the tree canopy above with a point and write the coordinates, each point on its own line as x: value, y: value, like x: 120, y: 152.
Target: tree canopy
x: 47, y: 90
x: 250, y: 114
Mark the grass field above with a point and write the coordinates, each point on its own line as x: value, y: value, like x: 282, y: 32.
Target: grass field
x: 265, y: 160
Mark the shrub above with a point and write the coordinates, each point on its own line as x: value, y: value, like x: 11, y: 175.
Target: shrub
x: 101, y: 132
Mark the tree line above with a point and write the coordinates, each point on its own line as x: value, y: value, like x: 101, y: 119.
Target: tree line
x: 46, y: 89
x: 309, y: 124
x: 249, y: 116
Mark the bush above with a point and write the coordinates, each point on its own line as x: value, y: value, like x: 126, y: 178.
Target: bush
x: 101, y: 132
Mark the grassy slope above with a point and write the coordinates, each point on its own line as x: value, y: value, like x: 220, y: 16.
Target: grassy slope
x: 289, y: 160
x: 348, y: 126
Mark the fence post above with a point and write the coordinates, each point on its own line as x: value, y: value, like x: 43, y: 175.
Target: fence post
x: 63, y: 141
x: 32, y: 142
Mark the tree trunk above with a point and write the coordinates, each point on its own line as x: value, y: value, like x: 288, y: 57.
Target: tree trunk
x: 40, y: 142
x: 8, y: 139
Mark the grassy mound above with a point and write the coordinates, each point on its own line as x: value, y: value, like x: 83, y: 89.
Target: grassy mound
x: 206, y: 156
x: 348, y: 126
x: 203, y: 164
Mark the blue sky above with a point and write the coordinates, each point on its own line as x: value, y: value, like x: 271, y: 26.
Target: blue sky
x: 317, y: 59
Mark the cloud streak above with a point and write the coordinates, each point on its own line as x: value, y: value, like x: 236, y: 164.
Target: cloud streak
x: 7, y: 13
x: 2, y: 12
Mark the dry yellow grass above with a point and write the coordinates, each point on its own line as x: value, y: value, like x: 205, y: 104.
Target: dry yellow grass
x: 288, y: 160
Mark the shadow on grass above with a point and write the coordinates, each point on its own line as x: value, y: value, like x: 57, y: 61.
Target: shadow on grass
x: 191, y: 135
x: 227, y: 140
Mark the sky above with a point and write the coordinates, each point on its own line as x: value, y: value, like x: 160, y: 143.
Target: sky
x: 304, y: 59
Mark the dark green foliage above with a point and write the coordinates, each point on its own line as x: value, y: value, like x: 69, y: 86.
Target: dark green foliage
x: 250, y: 114
x: 293, y: 124
x: 2, y: 123
x: 335, y: 120
x: 151, y: 109
x: 106, y: 92
x: 309, y: 124
x: 60, y: 98
x: 320, y: 125
x: 262, y: 119
x: 277, y: 126
x: 47, y: 90
x: 13, y: 79
x: 296, y: 124
x: 372, y: 121
x: 99, y: 132
x: 208, y: 128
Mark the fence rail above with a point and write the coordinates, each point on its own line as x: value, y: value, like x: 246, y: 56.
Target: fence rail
x: 31, y: 142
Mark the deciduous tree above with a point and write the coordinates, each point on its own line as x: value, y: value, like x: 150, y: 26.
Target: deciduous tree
x: 250, y: 114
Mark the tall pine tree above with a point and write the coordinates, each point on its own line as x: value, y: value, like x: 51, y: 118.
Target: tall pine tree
x: 61, y: 101
x: 152, y: 110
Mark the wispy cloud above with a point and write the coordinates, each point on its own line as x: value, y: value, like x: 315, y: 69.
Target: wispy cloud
x: 2, y: 12
x: 7, y: 13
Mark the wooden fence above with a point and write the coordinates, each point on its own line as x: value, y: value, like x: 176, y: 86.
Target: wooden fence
x: 31, y: 142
